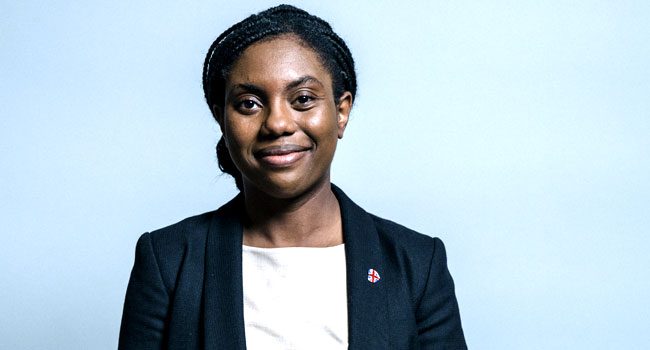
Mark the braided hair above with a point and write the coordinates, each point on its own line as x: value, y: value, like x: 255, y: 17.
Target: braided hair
x: 276, y: 21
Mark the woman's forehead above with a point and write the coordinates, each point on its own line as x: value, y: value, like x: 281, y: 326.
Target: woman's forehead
x: 281, y: 60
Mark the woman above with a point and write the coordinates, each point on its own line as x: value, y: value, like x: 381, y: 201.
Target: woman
x: 291, y: 262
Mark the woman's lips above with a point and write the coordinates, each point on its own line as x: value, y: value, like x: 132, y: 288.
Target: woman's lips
x: 282, y: 155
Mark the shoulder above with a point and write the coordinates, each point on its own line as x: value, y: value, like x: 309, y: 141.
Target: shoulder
x: 422, y: 260
x: 168, y: 248
x: 403, y: 236
x: 191, y: 230
x: 184, y: 242
x: 403, y: 251
x: 181, y: 232
x: 170, y: 242
x: 180, y: 244
x: 390, y: 233
x: 415, y: 246
x: 415, y: 254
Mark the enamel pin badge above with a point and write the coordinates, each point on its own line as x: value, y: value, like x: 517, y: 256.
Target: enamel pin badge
x: 373, y: 276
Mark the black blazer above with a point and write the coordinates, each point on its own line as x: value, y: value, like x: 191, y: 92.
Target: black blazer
x: 185, y: 290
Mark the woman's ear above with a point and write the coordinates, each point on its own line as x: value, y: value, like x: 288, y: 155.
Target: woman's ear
x: 217, y: 113
x: 344, y: 107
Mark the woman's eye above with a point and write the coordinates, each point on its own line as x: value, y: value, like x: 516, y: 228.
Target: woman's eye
x: 247, y: 106
x: 303, y: 99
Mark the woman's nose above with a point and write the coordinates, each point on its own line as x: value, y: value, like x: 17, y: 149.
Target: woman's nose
x: 279, y: 121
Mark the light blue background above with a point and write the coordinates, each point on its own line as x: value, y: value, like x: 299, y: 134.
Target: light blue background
x: 517, y: 131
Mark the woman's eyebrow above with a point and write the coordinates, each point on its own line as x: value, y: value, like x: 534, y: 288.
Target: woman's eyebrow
x: 254, y: 89
x: 301, y: 81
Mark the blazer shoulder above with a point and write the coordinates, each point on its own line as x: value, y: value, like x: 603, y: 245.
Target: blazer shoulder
x: 182, y: 231
x: 178, y: 244
x: 423, y: 260
x: 415, y: 254
x: 404, y: 237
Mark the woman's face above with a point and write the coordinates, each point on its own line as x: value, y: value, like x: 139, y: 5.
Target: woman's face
x: 281, y: 121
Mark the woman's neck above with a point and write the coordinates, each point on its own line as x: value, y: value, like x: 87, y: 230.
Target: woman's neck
x: 310, y: 220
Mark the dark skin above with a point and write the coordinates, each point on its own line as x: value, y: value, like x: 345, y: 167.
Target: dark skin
x: 281, y: 123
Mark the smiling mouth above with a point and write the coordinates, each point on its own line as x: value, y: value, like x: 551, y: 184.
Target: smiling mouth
x: 281, y: 156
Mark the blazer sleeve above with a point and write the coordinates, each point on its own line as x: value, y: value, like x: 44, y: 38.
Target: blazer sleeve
x: 437, y: 314
x: 146, y: 302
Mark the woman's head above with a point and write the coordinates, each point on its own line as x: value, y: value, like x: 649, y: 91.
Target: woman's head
x: 281, y: 21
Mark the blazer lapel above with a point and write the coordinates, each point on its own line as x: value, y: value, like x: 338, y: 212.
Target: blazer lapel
x: 367, y: 301
x: 223, y: 309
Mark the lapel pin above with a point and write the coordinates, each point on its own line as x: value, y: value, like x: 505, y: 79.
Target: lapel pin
x: 373, y: 276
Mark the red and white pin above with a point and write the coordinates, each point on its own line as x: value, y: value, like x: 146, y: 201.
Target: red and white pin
x: 373, y: 276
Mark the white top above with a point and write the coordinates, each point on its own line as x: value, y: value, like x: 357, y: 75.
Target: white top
x: 295, y: 298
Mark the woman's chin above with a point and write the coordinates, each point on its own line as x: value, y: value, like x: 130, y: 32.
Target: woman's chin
x: 282, y: 187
